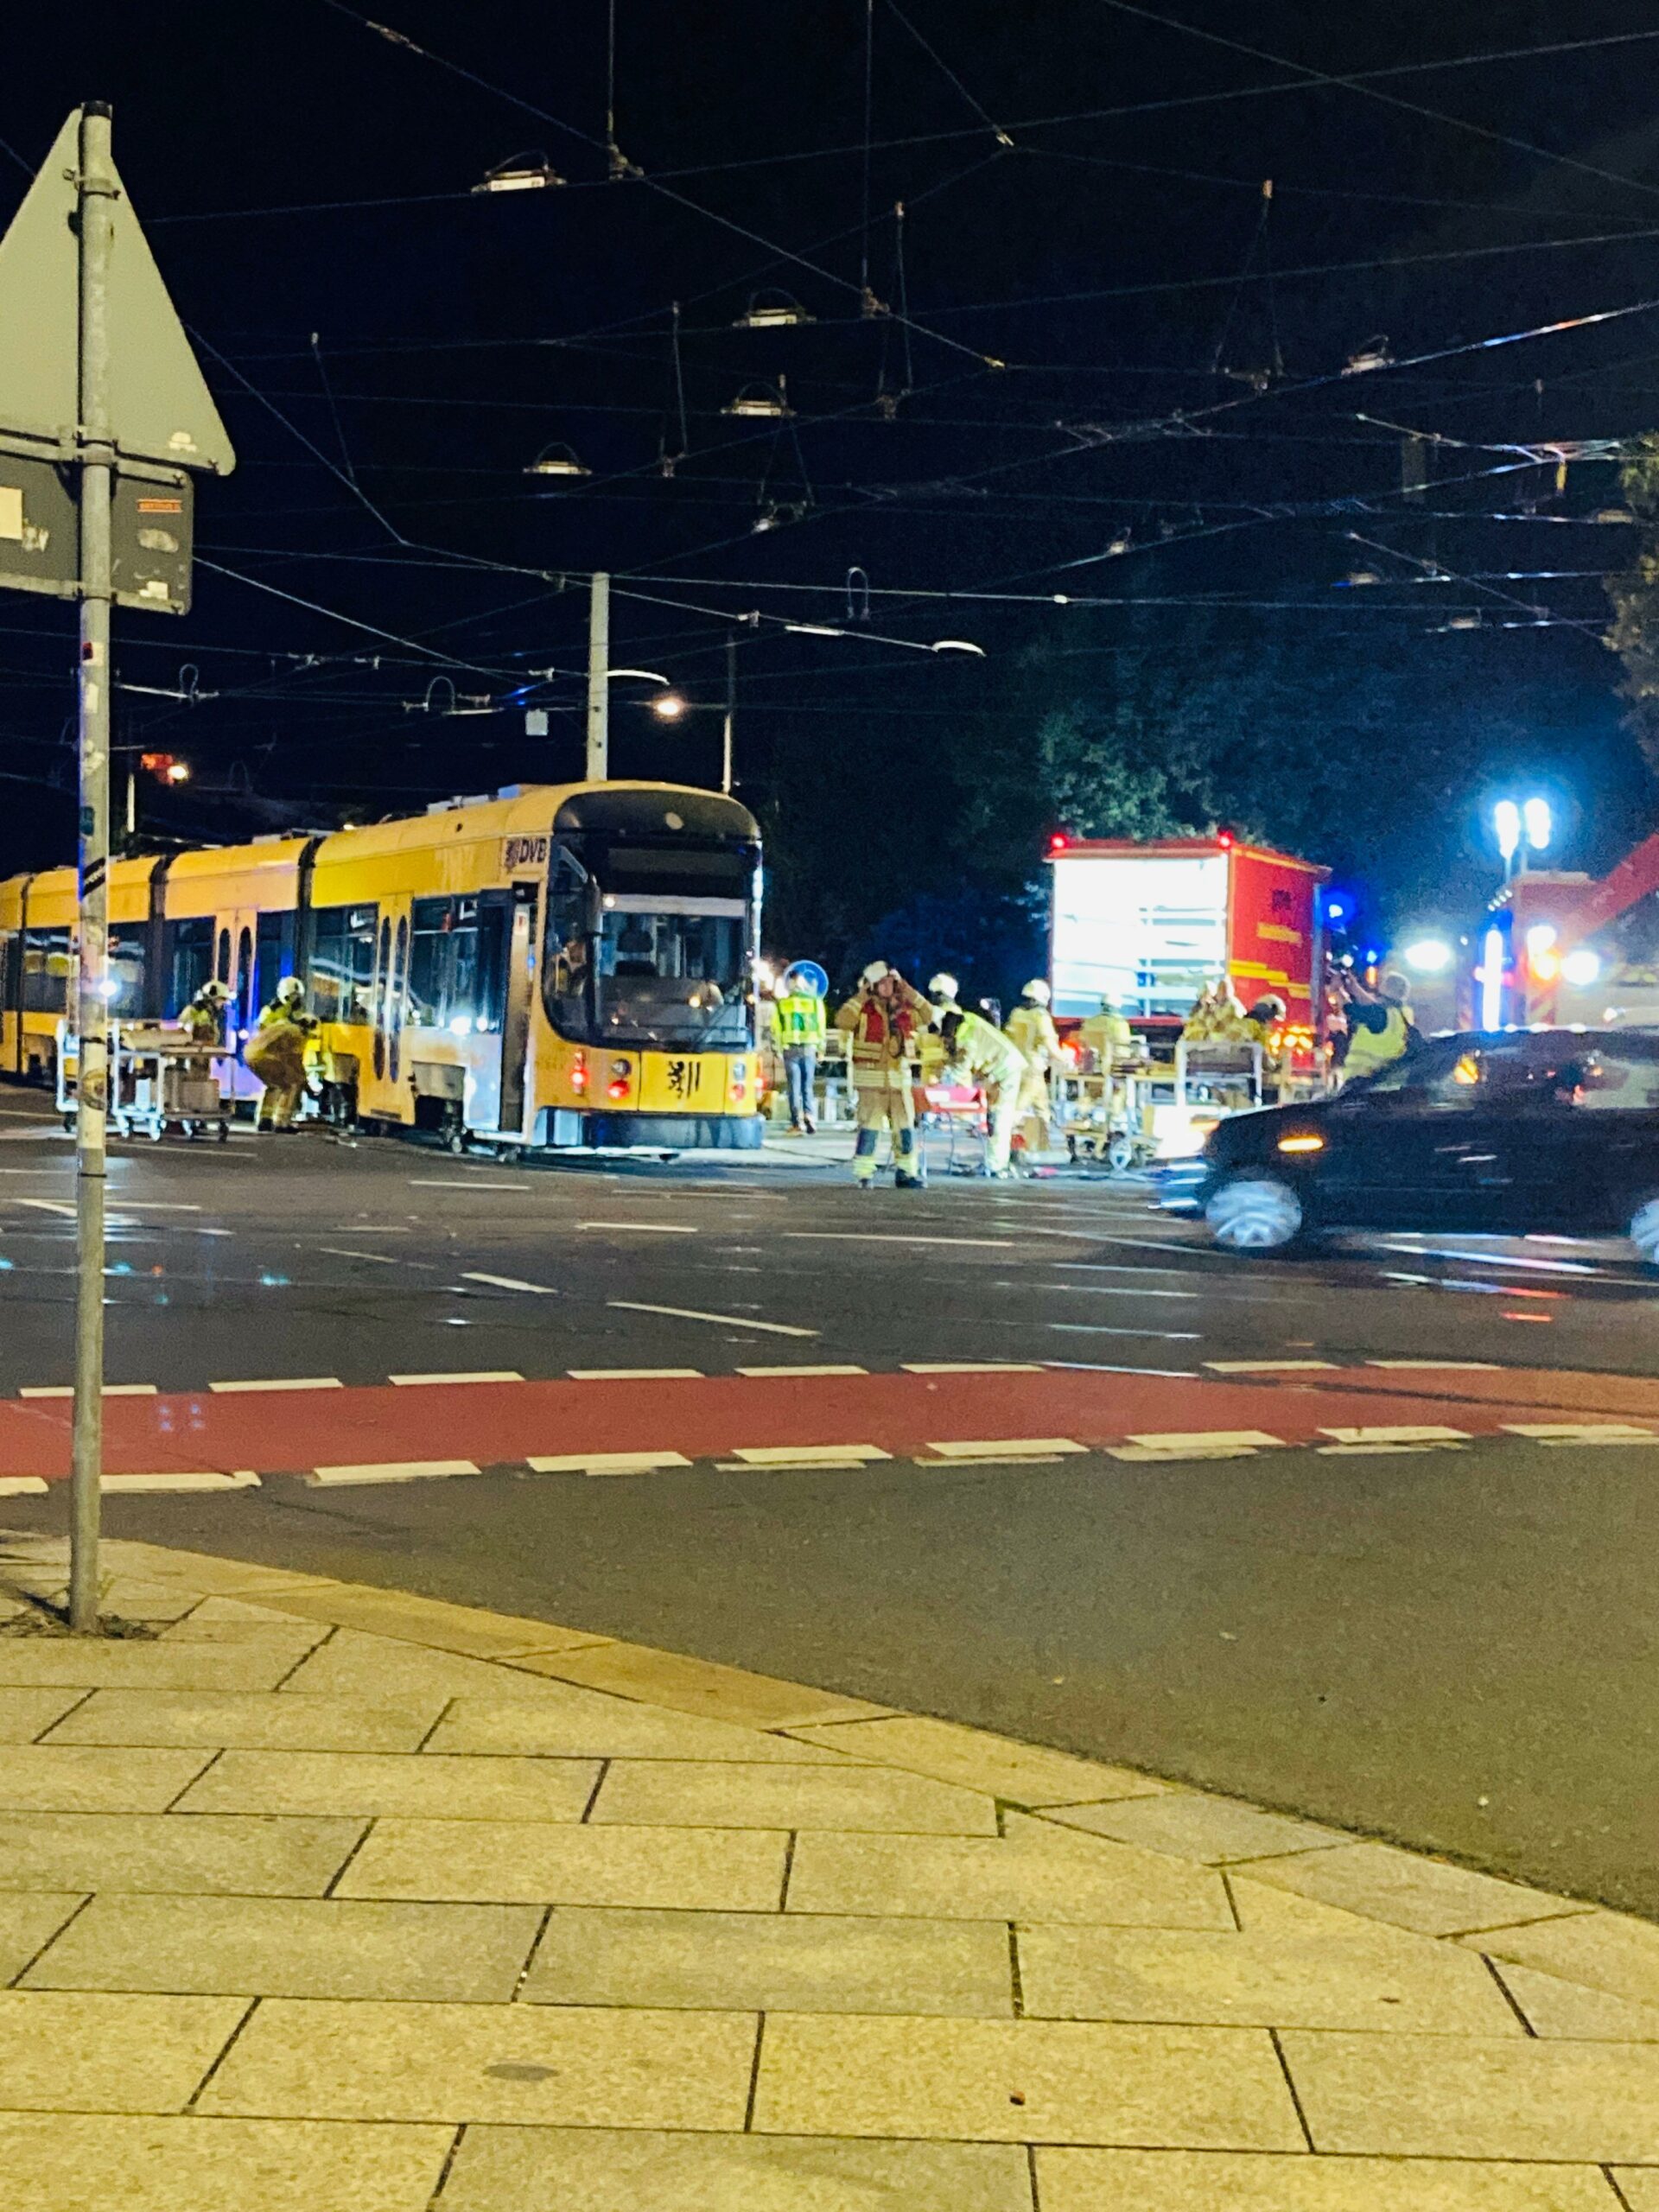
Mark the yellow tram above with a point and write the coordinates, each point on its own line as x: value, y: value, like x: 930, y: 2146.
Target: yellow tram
x: 562, y: 966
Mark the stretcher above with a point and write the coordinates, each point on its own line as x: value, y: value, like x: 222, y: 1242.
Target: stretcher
x: 160, y: 1079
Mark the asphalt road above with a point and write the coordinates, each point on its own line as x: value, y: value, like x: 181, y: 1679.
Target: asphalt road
x: 1450, y: 1646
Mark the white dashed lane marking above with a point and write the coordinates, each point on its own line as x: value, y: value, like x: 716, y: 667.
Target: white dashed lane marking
x: 476, y: 1374
x: 806, y: 1455
x: 111, y: 1390
x: 607, y: 1463
x: 289, y: 1382
x: 393, y: 1471
x: 635, y: 1374
x: 511, y: 1282
x: 725, y: 1320
x: 646, y: 1228
x: 182, y: 1478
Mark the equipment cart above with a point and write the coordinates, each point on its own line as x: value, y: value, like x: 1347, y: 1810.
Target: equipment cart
x: 160, y: 1078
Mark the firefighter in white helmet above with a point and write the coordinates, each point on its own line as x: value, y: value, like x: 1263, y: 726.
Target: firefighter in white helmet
x: 976, y: 1053
x: 1030, y: 1026
x: 883, y: 1019
x: 942, y: 990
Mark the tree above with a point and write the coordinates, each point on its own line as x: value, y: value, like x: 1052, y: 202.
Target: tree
x: 1634, y: 634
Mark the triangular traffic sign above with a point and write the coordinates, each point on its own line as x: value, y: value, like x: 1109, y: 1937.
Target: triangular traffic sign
x: 159, y: 407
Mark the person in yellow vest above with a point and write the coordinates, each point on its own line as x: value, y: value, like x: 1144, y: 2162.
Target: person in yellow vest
x: 797, y: 1031
x: 1380, y: 1026
x: 883, y: 1018
x: 976, y: 1053
x: 1031, y: 1026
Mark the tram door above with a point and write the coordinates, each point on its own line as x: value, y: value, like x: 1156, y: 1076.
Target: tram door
x: 235, y: 935
x: 384, y: 1090
x: 515, y: 1016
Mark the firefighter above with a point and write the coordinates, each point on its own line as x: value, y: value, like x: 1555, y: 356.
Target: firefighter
x: 1108, y: 1038
x: 942, y: 989
x: 1031, y: 1028
x: 883, y: 1018
x: 1380, y: 1026
x: 275, y: 1053
x: 976, y: 1053
x: 203, y: 1019
x: 797, y: 1031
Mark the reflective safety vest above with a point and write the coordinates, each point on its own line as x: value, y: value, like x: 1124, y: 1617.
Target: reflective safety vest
x: 987, y: 1055
x: 798, y: 1021
x: 1372, y: 1049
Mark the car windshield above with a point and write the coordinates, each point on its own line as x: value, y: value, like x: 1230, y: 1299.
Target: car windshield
x: 1538, y: 1069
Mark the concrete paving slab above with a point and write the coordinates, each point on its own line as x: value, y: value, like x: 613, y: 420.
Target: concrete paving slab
x: 75, y: 1778
x: 389, y: 1783
x: 1024, y: 1774
x: 63, y: 2161
x: 711, y: 1869
x: 249, y: 1720
x: 1218, y: 2181
x: 1438, y: 2096
x: 1421, y: 1894
x: 599, y: 2169
x: 1609, y: 1951
x: 1087, y: 1973
x: 532, y: 2064
x: 353, y: 1664
x: 973, y: 1878
x: 433, y: 1621
x: 27, y: 1922
x: 1555, y: 2007
x: 568, y: 1722
x: 702, y: 1686
x: 774, y: 1961
x: 64, y: 2052
x: 1002, y: 2081
x: 1189, y: 1825
x: 209, y: 1852
x: 292, y: 1946
x: 82, y: 1662
x: 688, y: 1794
x: 25, y: 1714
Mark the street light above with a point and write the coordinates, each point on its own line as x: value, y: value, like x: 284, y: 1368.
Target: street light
x: 1510, y: 820
x: 1430, y: 955
x: 668, y: 706
x: 1536, y: 815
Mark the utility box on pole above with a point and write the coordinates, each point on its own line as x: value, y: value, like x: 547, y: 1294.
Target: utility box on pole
x: 97, y: 376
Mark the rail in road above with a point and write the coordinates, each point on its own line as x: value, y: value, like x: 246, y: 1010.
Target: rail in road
x: 629, y: 1421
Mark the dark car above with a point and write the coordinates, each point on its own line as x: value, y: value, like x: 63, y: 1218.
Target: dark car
x: 1511, y: 1133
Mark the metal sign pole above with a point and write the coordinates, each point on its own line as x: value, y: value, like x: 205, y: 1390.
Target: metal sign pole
x: 96, y: 192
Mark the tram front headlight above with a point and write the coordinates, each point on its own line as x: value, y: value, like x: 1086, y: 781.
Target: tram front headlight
x: 621, y: 1078
x: 579, y: 1073
x: 740, y: 1079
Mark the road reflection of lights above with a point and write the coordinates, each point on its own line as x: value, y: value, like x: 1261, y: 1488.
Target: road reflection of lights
x: 1526, y: 1317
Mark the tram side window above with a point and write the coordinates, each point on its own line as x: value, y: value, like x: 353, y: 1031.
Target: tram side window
x: 127, y: 964
x: 273, y: 956
x: 342, y: 962
x: 46, y: 962
x: 190, y: 959
x: 447, y: 982
x: 570, y: 925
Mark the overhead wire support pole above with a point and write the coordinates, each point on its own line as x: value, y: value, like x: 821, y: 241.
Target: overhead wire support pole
x: 729, y: 727
x: 598, y: 678
x: 96, y: 190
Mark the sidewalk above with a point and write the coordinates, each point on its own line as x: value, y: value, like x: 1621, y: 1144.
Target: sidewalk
x: 317, y: 1895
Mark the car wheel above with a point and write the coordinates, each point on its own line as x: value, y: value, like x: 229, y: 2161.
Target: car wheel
x: 1644, y: 1232
x: 1258, y: 1213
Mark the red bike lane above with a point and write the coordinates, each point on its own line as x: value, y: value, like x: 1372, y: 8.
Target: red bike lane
x: 488, y: 1423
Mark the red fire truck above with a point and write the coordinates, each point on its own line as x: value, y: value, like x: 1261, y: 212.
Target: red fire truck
x: 1148, y: 925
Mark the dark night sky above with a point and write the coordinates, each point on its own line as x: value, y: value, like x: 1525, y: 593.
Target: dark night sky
x: 1099, y: 256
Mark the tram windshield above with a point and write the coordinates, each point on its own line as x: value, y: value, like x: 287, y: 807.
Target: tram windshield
x: 651, y: 948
